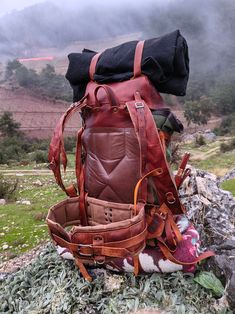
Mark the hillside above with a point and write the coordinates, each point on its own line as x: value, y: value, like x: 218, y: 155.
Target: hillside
x: 59, y: 54
x: 36, y: 115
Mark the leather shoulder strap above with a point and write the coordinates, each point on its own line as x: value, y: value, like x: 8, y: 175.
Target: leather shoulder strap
x: 156, y: 160
x: 138, y: 58
x: 57, y: 150
x: 93, y: 63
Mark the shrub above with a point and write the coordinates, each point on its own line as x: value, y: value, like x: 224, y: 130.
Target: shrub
x: 11, y: 149
x: 21, y: 149
x: 40, y: 216
x: 175, y: 153
x: 226, y: 147
x: 40, y: 156
x: 7, y: 188
x: 227, y: 125
x: 8, y: 126
x: 36, y: 144
x: 69, y: 143
x: 200, y: 140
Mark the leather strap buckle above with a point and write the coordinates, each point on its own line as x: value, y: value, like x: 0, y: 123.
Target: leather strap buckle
x: 139, y: 105
x: 170, y: 198
x: 84, y: 246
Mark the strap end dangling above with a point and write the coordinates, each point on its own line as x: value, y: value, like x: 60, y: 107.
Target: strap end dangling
x: 136, y: 264
x: 83, y: 270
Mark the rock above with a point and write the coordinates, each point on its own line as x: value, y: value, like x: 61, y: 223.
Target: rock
x: 188, y: 138
x: 3, y: 276
x: 209, y: 136
x: 223, y: 265
x: 37, y: 183
x: 210, y: 207
x: 5, y: 246
x: 19, y: 174
x: 23, y: 202
x: 26, y: 202
x: 149, y: 311
x: 2, y: 201
x: 113, y: 282
x: 212, y: 210
x: 229, y: 175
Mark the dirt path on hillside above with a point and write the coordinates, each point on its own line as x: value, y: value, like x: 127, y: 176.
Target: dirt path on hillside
x: 204, y: 155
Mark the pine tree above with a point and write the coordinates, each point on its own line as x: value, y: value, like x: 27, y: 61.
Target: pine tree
x: 8, y: 126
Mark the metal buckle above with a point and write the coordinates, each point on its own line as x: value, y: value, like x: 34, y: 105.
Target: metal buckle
x: 99, y: 262
x: 139, y: 104
x: 170, y: 198
x: 84, y: 254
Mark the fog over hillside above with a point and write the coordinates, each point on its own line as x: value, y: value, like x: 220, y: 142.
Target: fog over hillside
x: 207, y: 25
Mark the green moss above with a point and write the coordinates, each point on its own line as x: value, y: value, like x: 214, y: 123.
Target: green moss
x: 229, y: 185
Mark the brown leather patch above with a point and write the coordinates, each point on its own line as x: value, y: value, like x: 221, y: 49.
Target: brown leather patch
x: 112, y: 156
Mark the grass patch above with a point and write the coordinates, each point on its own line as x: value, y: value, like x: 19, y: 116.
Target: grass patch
x: 209, y: 157
x: 219, y: 160
x: 23, y: 225
x: 229, y: 185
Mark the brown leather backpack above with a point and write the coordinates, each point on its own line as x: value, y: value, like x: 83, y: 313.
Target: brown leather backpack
x: 125, y: 193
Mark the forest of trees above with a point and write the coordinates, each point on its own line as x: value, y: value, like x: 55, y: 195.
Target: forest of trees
x: 16, y: 147
x: 46, y: 83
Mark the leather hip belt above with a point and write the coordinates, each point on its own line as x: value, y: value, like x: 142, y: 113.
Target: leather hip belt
x: 113, y: 230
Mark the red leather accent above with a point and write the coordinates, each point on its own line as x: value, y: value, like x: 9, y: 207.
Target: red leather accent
x: 78, y: 157
x: 166, y: 252
x: 82, y: 269
x: 182, y: 174
x: 138, y: 58
x: 156, y: 158
x: 136, y: 265
x: 93, y: 63
x: 82, y: 200
x: 57, y: 145
x: 71, y: 191
x: 112, y: 100
x: 125, y: 91
x: 110, y: 249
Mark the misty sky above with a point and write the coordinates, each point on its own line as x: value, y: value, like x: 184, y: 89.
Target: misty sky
x: 7, y: 6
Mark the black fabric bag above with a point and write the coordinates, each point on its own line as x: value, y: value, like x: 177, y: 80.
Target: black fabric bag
x: 165, y: 61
